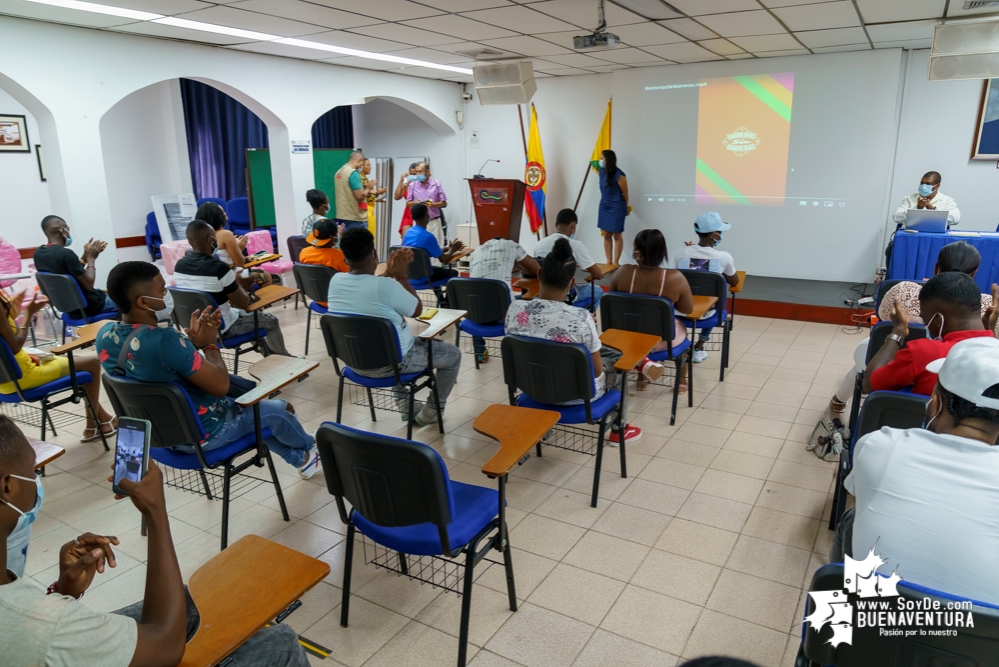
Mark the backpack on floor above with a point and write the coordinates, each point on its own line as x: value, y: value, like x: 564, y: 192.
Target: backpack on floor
x: 828, y: 438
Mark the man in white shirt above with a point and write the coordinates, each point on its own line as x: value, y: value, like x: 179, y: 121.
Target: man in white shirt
x: 497, y: 258
x: 929, y: 497
x: 391, y: 297
x: 705, y: 256
x: 565, y: 228
x: 929, y: 197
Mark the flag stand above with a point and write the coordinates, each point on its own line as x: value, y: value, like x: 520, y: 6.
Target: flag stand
x: 580, y: 195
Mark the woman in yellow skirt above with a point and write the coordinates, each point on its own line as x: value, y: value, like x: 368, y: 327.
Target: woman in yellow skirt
x: 36, y: 372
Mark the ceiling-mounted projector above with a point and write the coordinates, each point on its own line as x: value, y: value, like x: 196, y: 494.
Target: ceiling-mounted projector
x: 600, y: 39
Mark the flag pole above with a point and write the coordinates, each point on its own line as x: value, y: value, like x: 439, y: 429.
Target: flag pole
x: 523, y: 138
x: 580, y: 195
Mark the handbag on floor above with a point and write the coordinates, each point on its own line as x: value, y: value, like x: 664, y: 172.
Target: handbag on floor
x: 828, y: 438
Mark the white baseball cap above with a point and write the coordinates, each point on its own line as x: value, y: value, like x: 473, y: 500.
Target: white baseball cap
x: 969, y: 369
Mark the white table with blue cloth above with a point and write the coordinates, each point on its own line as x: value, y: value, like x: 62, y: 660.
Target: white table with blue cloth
x: 915, y: 254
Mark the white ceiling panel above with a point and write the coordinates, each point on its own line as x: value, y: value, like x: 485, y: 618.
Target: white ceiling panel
x: 840, y: 14
x: 431, y: 55
x: 569, y: 71
x: 891, y: 32
x: 625, y: 56
x: 362, y: 42
x: 767, y: 43
x: 239, y: 18
x: 646, y: 34
x: 838, y: 49
x: 880, y: 11
x: 700, y: 7
x: 789, y: 3
x: 459, y: 47
x: 520, y: 19
x: 834, y: 37
x: 741, y: 56
x: 395, y: 10
x: 307, y: 13
x: 31, y: 10
x: 721, y: 47
x: 563, y: 39
x: 584, y: 12
x: 689, y: 28
x: 577, y: 60
x: 464, y: 5
x: 284, y: 50
x: 405, y: 34
x: 527, y: 46
x: 461, y: 28
x: 606, y: 69
x: 739, y: 24
x: 170, y: 32
x: 639, y: 10
x: 905, y: 44
x: 365, y: 63
x: 775, y: 54
x: 165, y: 7
x: 682, y: 53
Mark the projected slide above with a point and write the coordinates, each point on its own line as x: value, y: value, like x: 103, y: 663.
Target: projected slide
x: 743, y: 135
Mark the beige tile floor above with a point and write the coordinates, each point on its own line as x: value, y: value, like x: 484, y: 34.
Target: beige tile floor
x: 705, y: 548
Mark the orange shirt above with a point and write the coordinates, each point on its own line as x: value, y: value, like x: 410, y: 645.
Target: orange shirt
x: 331, y: 257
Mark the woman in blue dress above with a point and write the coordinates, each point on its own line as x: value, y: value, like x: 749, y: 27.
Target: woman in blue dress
x: 613, y: 206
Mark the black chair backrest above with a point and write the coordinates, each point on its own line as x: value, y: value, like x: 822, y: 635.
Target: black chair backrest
x: 882, y: 290
x: 639, y: 313
x: 10, y: 370
x: 186, y: 301
x: 314, y: 280
x: 363, y: 342
x: 420, y: 268
x: 890, y: 408
x: 880, y: 331
x: 706, y: 283
x: 547, y: 371
x: 295, y: 246
x: 976, y: 646
x: 392, y: 482
x: 63, y: 292
x: 485, y: 299
x: 165, y: 405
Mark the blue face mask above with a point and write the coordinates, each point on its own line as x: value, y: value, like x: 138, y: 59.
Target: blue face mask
x: 602, y: 163
x: 718, y: 242
x: 421, y: 177
x: 925, y: 189
x: 17, y: 541
x: 411, y: 178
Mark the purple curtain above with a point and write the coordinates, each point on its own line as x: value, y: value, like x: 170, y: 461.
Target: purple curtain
x: 219, y: 130
x: 334, y: 129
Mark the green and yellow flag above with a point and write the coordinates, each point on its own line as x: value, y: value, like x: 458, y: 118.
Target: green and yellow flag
x: 603, y: 139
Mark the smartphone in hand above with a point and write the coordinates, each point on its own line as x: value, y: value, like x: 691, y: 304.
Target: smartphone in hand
x: 131, y: 454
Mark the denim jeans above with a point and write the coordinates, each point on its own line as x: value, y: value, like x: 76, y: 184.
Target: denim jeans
x: 350, y: 224
x: 586, y: 293
x: 704, y: 335
x: 288, y: 439
x: 273, y: 339
x: 276, y: 646
x: 447, y: 363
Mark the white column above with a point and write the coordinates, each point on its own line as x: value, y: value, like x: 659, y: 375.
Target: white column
x: 292, y: 176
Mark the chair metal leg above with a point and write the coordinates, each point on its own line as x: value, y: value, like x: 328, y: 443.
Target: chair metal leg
x: 308, y: 328
x: 371, y: 404
x: 412, y: 407
x: 724, y: 353
x: 204, y: 482
x: 690, y: 380
x: 676, y: 390
x: 348, y: 565
x: 600, y: 457
x: 504, y: 546
x: 403, y: 563
x: 277, y: 485
x: 51, y: 423
x: 235, y: 363
x: 620, y: 438
x: 437, y: 403
x: 466, y: 606
x: 339, y: 401
x: 45, y: 416
x: 225, y: 504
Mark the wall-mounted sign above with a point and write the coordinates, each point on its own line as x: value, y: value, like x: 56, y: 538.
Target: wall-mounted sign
x: 301, y: 146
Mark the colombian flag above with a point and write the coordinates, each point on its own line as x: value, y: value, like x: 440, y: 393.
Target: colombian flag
x: 603, y: 139
x: 534, y: 175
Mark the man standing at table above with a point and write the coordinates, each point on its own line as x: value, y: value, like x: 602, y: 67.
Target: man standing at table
x: 928, y: 196
x: 428, y: 191
x: 350, y: 193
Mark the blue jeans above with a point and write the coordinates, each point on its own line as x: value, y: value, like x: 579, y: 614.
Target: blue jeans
x: 586, y: 293
x: 288, y: 439
x: 704, y: 334
x: 350, y: 224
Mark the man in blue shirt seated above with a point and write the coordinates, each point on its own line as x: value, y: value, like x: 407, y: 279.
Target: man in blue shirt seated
x: 419, y: 237
x: 161, y: 354
x: 392, y: 298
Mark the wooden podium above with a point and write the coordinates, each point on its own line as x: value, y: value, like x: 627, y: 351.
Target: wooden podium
x: 498, y: 205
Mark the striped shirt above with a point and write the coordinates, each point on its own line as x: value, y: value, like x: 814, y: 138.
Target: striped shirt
x: 206, y: 273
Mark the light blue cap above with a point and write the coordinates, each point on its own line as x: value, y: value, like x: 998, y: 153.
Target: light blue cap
x: 710, y: 222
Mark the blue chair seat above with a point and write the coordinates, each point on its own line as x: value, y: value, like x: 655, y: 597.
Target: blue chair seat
x: 494, y: 330
x: 713, y: 321
x: 426, y: 284
x: 575, y: 414
x: 388, y: 381
x: 664, y: 355
x: 474, y: 508
x: 317, y: 307
x: 40, y: 392
x: 236, y: 341
x: 177, y: 458
x: 80, y: 321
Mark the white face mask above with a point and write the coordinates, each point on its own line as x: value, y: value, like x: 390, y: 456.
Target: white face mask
x: 603, y: 163
x: 939, y: 335
x: 163, y: 314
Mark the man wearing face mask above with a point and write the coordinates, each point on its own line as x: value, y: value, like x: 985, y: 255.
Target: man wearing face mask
x: 565, y: 228
x: 705, y: 255
x: 928, y: 196
x: 950, y: 304
x: 56, y: 257
x: 425, y: 190
x: 928, y: 496
x: 201, y: 270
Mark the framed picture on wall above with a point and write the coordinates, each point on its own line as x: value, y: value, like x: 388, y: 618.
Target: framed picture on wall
x: 986, y: 145
x: 13, y: 134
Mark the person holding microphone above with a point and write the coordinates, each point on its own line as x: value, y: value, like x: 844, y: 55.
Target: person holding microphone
x: 613, y: 206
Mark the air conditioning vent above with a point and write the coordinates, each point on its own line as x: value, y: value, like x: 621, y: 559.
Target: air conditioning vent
x: 507, y: 83
x: 961, y: 38
x: 972, y: 66
x: 978, y: 4
x: 484, y: 54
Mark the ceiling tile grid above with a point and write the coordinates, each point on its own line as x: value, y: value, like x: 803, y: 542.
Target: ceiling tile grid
x: 466, y: 33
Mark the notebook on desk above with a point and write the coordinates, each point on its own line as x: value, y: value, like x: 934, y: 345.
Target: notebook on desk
x: 926, y: 220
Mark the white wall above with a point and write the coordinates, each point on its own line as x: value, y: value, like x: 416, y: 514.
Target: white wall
x: 25, y: 197
x: 936, y: 133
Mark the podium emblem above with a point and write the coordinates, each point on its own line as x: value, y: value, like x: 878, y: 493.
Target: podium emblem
x: 534, y: 176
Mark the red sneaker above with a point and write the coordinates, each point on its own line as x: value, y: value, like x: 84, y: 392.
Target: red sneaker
x: 631, y: 434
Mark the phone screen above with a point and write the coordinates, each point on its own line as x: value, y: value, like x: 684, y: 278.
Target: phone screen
x: 130, y: 453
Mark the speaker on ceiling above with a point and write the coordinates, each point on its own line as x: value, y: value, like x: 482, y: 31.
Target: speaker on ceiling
x: 965, y: 51
x: 506, y: 83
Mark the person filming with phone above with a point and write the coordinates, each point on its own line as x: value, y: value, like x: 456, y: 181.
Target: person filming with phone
x: 52, y: 627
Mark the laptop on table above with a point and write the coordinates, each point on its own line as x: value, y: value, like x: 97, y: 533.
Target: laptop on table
x: 925, y: 220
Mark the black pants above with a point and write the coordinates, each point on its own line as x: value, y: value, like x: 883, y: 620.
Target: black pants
x: 442, y: 273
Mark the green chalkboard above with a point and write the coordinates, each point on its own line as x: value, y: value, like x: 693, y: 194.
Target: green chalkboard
x: 325, y: 163
x: 260, y: 187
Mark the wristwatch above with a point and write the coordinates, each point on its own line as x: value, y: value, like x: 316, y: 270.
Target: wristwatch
x: 895, y: 337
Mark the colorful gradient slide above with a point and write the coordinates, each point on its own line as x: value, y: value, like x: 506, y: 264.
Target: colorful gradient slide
x: 743, y: 135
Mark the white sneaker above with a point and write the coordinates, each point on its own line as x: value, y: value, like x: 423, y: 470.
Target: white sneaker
x: 700, y: 355
x: 312, y: 464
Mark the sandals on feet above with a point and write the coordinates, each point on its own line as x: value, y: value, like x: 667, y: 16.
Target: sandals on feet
x: 111, y: 423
